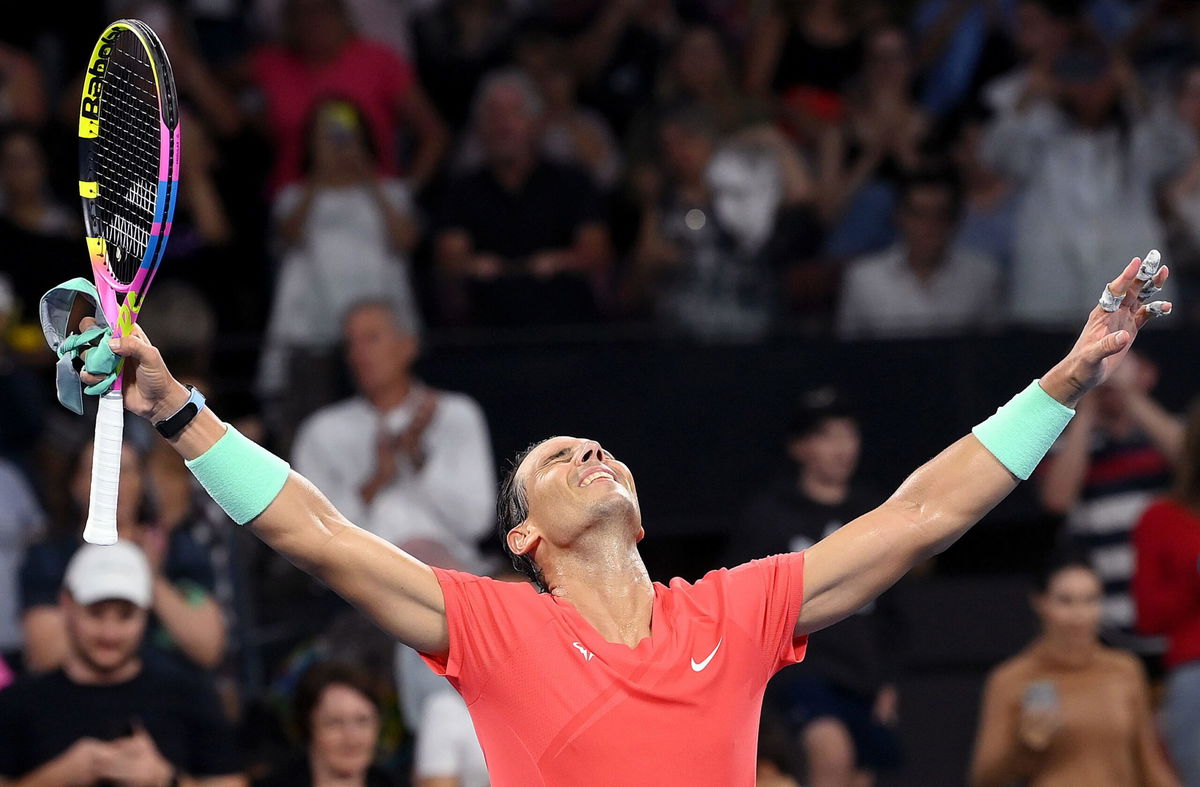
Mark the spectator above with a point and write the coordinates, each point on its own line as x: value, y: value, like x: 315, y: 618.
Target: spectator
x: 875, y: 146
x: 712, y: 245
x: 841, y: 702
x: 21, y: 416
x: 22, y: 99
x: 448, y: 752
x: 1090, y: 168
x: 106, y: 716
x: 1066, y: 709
x: 619, y: 55
x: 1166, y: 587
x: 344, y: 235
x: 806, y: 52
x: 409, y: 463
x: 321, y: 56
x: 960, y: 46
x: 989, y: 199
x: 1181, y: 196
x: 522, y: 241
x: 337, y: 715
x: 186, y: 629
x: 1112, y: 460
x: 457, y: 42
x: 926, y: 283
x: 571, y: 134
x: 25, y: 196
x: 1042, y: 30
x: 21, y: 521
x: 698, y: 75
x: 34, y: 227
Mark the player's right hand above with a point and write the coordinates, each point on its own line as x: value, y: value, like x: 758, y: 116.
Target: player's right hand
x: 147, y: 385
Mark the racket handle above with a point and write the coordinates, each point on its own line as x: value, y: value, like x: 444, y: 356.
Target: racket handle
x: 106, y: 471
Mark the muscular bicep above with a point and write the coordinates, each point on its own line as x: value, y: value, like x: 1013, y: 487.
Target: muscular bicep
x: 397, y: 591
x: 854, y: 564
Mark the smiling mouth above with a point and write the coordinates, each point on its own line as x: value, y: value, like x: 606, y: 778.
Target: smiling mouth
x: 596, y: 475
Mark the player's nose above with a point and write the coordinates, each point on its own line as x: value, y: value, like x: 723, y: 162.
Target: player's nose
x: 588, y: 451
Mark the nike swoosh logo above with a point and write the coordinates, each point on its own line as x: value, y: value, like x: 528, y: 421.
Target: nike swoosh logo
x: 697, y: 667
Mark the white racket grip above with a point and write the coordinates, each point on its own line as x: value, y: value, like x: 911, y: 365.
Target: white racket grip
x: 106, y: 471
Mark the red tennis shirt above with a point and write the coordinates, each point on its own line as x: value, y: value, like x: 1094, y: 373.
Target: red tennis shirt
x: 556, y: 705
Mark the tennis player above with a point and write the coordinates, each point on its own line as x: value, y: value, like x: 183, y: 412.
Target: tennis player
x: 595, y: 675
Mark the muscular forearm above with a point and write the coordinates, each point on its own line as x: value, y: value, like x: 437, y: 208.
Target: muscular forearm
x: 197, y: 629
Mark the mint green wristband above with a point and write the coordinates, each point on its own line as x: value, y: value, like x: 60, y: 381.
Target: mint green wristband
x: 1021, y: 432
x: 242, y: 476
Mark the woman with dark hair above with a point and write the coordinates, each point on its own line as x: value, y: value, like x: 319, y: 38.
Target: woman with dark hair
x: 1166, y: 587
x: 337, y: 715
x: 1068, y: 710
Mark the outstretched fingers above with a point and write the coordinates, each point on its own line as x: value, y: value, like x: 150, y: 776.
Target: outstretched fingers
x: 1151, y: 310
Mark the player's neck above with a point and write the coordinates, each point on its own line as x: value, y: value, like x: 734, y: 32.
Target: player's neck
x: 609, y: 586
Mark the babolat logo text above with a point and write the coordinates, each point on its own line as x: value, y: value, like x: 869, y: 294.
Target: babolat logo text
x: 90, y: 106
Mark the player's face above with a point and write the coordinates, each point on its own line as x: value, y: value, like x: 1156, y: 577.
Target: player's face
x: 345, y: 729
x: 105, y: 635
x: 831, y: 452
x: 1070, y: 607
x: 572, y: 483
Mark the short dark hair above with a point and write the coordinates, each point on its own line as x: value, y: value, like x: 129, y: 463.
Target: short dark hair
x: 512, y: 508
x: 313, y: 683
x: 933, y: 177
x: 816, y: 406
x: 1060, y: 561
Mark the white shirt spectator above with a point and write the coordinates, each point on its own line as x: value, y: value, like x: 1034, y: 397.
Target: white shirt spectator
x: 882, y: 296
x: 448, y: 504
x: 20, y: 523
x: 345, y: 256
x: 1087, y: 204
x: 447, y: 745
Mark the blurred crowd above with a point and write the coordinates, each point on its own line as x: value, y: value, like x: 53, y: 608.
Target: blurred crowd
x: 360, y: 174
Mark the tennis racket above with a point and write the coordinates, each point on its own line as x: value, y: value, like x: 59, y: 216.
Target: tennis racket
x: 128, y: 175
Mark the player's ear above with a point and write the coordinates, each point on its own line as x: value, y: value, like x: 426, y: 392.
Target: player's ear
x: 522, y: 539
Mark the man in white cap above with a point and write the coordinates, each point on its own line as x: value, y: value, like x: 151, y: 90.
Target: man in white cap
x: 105, y: 717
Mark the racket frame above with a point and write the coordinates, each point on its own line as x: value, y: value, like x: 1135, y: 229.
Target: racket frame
x: 121, y: 302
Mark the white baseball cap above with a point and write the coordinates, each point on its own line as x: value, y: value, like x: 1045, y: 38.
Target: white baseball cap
x: 118, y: 571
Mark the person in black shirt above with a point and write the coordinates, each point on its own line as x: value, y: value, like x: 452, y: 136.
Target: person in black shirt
x: 106, y: 717
x: 840, y: 701
x: 521, y: 240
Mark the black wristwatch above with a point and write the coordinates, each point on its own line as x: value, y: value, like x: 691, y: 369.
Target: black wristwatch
x: 171, y: 426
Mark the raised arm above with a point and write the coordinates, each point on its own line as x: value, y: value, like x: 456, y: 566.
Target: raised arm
x: 950, y: 493
x: 394, y: 589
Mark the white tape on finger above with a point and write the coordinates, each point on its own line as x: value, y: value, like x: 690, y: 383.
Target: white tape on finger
x: 1110, y: 302
x: 1150, y: 265
x: 101, y: 525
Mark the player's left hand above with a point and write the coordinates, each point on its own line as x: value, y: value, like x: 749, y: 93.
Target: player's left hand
x: 1108, y: 335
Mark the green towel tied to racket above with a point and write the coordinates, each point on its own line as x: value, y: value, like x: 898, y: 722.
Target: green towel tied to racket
x: 54, y: 310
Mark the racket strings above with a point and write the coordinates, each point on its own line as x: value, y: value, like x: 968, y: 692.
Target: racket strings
x: 127, y: 157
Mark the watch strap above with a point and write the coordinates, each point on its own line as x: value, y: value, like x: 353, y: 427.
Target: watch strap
x: 172, y: 425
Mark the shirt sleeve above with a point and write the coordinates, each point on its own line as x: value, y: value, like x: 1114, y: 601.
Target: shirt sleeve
x: 40, y: 577
x: 765, y: 597
x: 483, y: 617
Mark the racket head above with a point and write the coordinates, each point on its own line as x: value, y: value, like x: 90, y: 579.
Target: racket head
x: 129, y: 149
